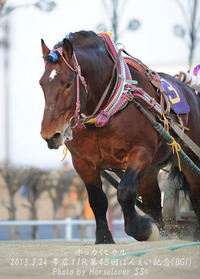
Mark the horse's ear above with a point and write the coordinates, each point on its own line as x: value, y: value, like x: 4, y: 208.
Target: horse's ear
x: 67, y: 49
x: 45, y: 49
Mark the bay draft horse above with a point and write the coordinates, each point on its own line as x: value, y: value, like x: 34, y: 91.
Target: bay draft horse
x: 127, y: 142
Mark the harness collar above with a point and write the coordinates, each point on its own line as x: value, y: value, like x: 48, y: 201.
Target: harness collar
x: 118, y: 99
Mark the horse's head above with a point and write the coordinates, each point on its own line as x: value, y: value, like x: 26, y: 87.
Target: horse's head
x: 60, y: 84
x: 66, y: 93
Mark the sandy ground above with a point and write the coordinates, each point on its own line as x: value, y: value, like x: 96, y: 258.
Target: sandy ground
x: 61, y: 259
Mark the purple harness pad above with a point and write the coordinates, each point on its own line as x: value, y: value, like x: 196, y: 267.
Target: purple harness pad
x: 175, y: 97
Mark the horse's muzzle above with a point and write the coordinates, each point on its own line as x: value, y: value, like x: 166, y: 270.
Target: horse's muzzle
x: 55, y: 142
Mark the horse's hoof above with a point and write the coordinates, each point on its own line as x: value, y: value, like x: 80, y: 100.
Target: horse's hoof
x: 110, y: 241
x: 154, y: 236
x: 105, y: 239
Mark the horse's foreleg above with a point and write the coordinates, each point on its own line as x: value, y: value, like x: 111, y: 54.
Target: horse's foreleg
x: 140, y: 227
x: 97, y: 199
x: 99, y: 205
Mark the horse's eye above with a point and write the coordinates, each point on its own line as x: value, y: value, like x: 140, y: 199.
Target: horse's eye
x: 68, y: 85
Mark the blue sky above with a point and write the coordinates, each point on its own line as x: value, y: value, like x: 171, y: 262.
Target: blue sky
x: 154, y: 43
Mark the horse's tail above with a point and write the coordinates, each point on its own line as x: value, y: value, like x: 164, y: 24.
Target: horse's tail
x: 179, y: 180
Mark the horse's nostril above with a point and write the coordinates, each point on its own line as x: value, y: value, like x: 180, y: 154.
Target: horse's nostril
x: 56, y: 136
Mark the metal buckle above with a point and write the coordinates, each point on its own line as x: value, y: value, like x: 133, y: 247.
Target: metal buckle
x: 128, y: 95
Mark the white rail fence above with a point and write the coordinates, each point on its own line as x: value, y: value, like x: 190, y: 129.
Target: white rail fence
x: 68, y: 223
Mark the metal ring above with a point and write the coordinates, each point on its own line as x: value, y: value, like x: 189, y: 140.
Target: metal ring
x: 73, y: 122
x: 122, y: 46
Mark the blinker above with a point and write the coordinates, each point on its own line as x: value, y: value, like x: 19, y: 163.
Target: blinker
x: 54, y: 56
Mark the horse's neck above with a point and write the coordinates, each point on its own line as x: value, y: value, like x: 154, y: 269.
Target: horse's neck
x: 97, y: 72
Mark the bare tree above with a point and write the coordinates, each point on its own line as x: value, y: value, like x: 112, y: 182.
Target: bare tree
x: 114, y: 9
x: 12, y: 181
x: 32, y: 179
x: 58, y: 183
x: 191, y: 30
x: 42, y: 5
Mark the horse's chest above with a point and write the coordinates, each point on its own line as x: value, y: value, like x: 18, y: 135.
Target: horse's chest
x: 102, y: 152
x: 114, y: 157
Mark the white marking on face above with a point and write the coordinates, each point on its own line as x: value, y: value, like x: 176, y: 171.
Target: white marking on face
x: 52, y: 75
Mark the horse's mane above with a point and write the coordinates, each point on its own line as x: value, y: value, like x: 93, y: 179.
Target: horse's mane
x: 84, y: 39
x: 81, y: 40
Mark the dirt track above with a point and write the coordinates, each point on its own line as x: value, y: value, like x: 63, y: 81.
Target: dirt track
x: 84, y: 260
